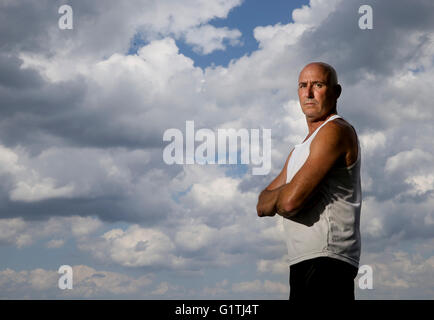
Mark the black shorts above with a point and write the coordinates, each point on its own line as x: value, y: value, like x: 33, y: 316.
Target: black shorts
x: 322, y: 278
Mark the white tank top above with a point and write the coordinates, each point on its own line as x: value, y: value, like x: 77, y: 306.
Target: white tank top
x: 331, y: 227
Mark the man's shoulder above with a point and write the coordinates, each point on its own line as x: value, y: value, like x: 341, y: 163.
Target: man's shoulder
x: 338, y: 134
x: 339, y: 128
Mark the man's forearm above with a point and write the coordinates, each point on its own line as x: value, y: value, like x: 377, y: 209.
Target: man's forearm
x: 280, y: 203
x: 281, y: 211
x: 277, y: 201
x: 267, y: 202
x: 288, y: 208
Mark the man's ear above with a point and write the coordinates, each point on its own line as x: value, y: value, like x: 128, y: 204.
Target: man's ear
x: 338, y: 90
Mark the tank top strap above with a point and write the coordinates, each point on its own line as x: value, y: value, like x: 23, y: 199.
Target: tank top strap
x: 333, y: 117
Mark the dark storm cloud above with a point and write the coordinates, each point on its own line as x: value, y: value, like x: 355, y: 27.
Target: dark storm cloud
x: 24, y: 25
x: 383, y: 51
x: 11, y: 77
x: 110, y: 208
x: 36, y: 114
x: 115, y: 185
x: 29, y: 106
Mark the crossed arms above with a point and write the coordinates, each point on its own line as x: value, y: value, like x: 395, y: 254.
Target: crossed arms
x: 286, y: 199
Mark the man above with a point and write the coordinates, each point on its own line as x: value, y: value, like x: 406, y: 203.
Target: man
x: 318, y: 194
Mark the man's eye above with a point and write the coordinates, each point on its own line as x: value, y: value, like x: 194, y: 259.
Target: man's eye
x: 319, y: 85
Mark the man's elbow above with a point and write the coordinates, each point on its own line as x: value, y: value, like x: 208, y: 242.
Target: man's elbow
x: 288, y: 208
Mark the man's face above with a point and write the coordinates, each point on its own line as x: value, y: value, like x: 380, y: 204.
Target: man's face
x: 316, y: 94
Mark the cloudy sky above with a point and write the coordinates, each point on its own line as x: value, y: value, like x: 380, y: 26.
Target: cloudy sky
x: 83, y: 113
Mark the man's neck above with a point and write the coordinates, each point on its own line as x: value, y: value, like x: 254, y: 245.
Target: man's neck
x: 313, y: 124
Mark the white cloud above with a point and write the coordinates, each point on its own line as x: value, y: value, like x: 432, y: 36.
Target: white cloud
x: 163, y: 288
x: 206, y: 39
x: 279, y: 35
x: 413, y: 169
x: 28, y: 184
x: 258, y: 286
x: 372, y: 218
x: 87, y: 283
x: 405, y: 159
x: 421, y: 183
x: 396, y: 271
x: 21, y: 233
x: 42, y: 177
x: 215, y: 193
x: 276, y: 266
x: 55, y: 243
x: 372, y: 141
x: 134, y: 247
x: 150, y: 70
x: 82, y: 226
x: 12, y: 232
x: 212, y: 198
x: 25, y: 282
x: 275, y: 287
x: 247, y: 286
x: 45, y: 189
x: 8, y: 161
x: 195, y: 237
x: 220, y: 289
x: 150, y: 20
x: 315, y: 12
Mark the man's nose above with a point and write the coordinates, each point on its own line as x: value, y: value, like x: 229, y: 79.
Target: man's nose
x: 309, y: 91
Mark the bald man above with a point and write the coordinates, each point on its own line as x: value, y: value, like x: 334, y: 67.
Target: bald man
x: 318, y: 194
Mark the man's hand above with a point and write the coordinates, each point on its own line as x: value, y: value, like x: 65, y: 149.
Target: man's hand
x: 267, y: 199
x: 266, y: 206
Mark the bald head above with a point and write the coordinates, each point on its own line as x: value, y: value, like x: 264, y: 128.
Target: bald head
x: 329, y: 71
